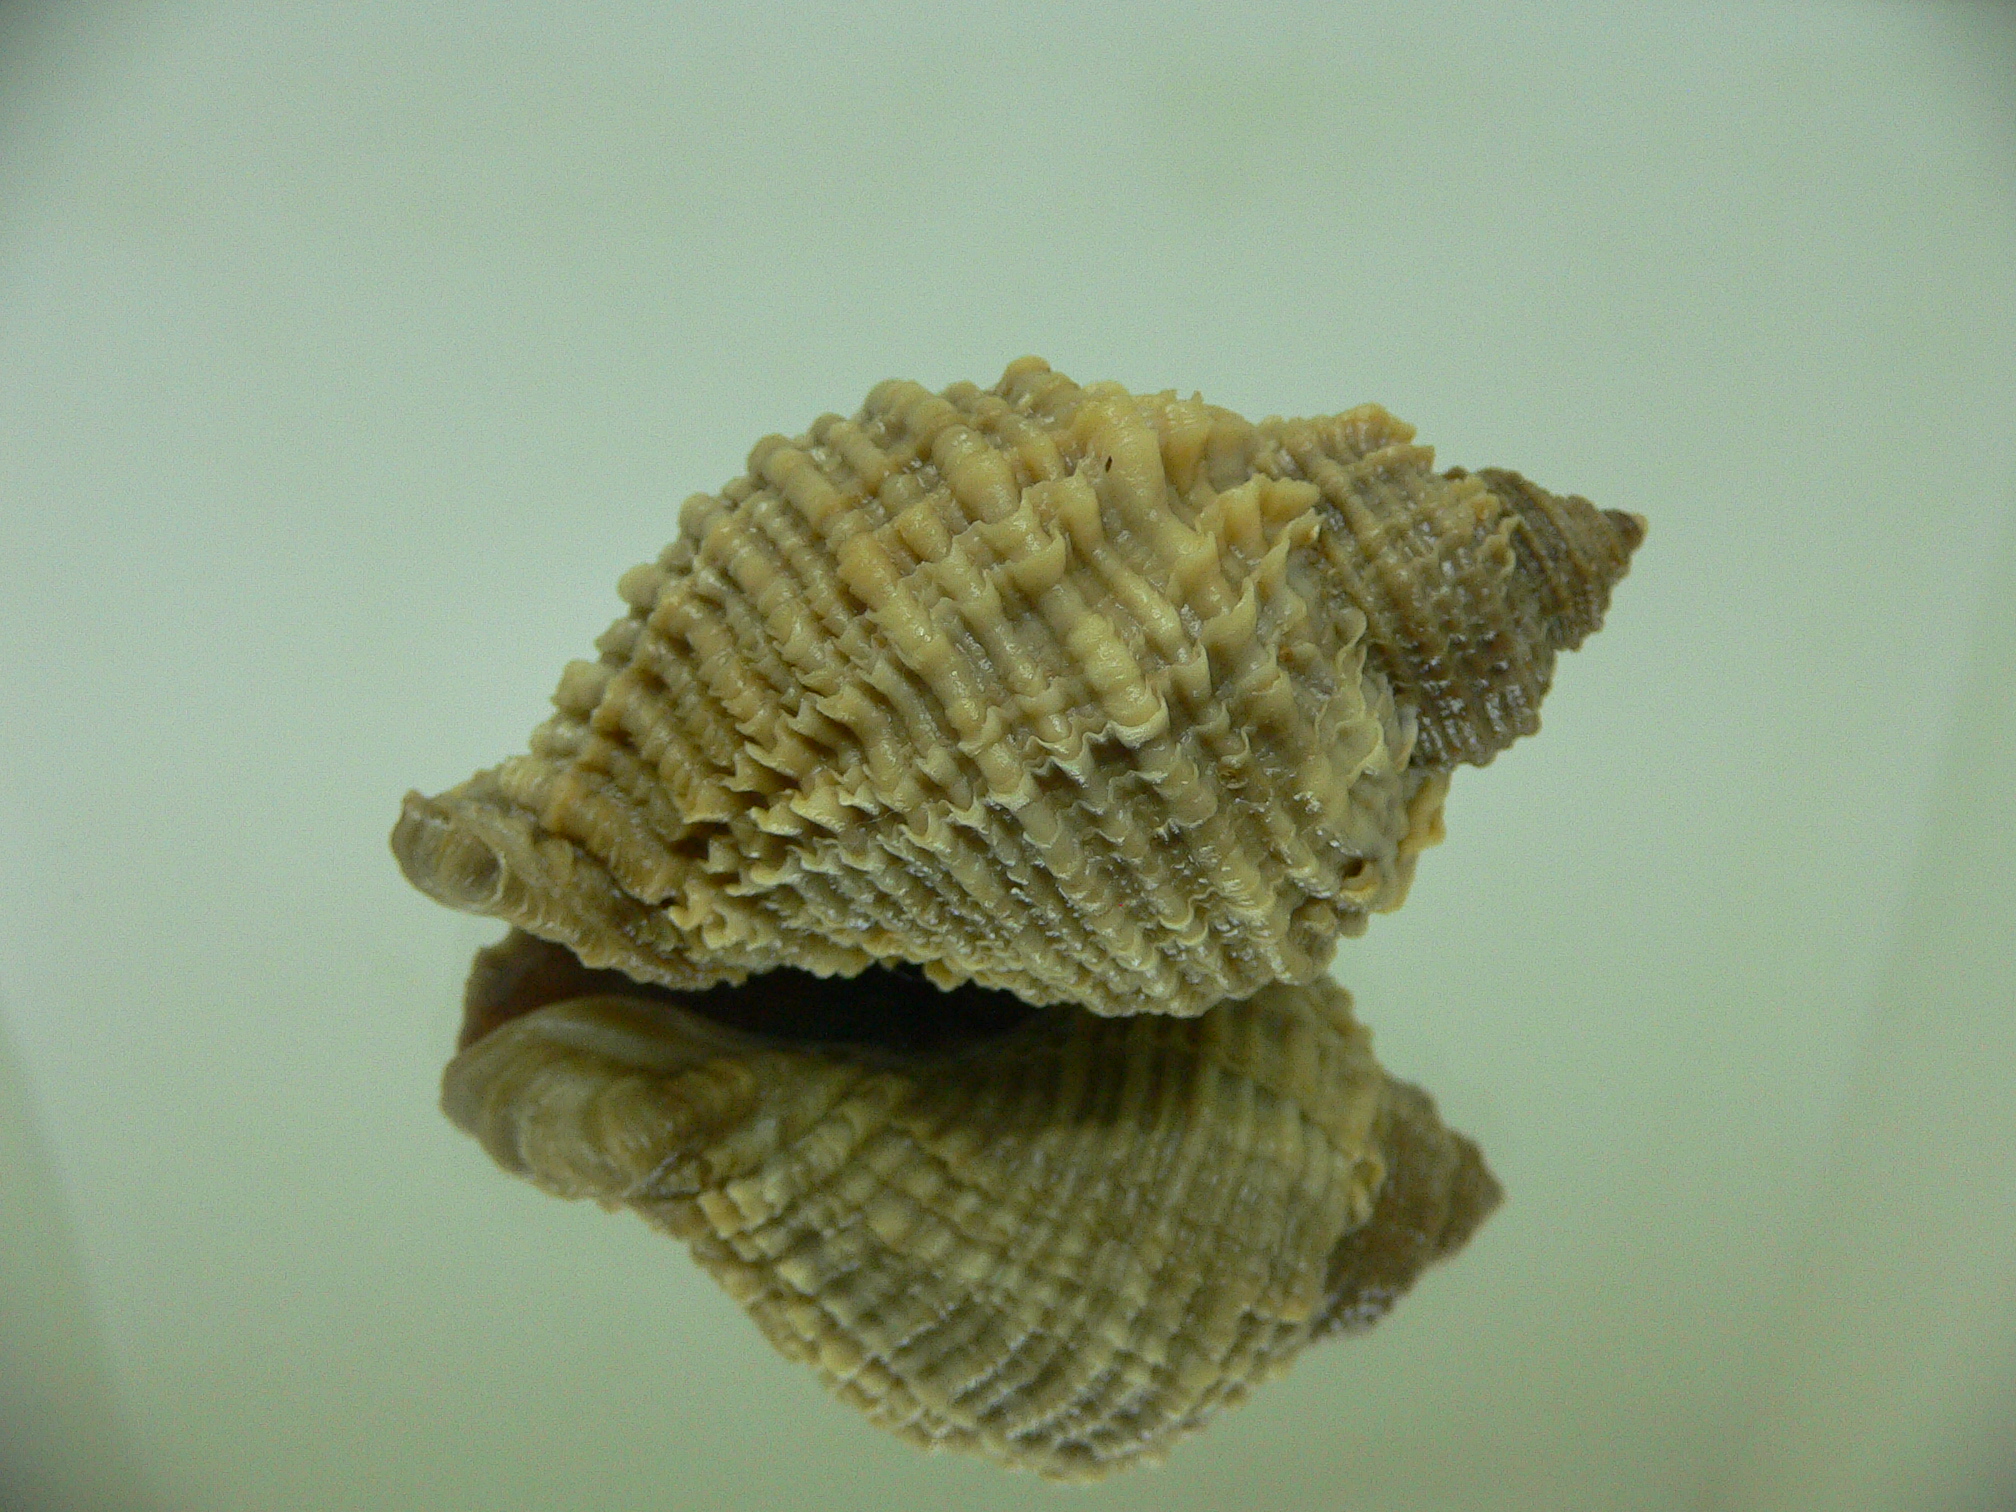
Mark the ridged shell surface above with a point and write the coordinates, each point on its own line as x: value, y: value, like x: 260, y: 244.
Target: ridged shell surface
x: 1064, y: 1243
x: 1113, y: 700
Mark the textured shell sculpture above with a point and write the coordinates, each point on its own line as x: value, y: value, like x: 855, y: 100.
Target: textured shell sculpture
x: 1058, y: 1239
x: 1070, y: 729
x: 1101, y: 699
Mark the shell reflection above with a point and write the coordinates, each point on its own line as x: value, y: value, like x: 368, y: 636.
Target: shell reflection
x: 1061, y: 1240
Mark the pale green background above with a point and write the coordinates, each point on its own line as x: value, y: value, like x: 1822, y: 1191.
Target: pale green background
x: 348, y: 354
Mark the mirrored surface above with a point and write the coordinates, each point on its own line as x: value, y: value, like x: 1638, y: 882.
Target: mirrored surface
x: 348, y: 359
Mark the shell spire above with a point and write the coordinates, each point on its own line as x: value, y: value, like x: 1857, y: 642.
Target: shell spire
x: 1099, y: 698
x: 1470, y: 583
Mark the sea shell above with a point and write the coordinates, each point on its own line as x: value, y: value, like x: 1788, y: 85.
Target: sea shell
x: 1112, y: 700
x: 1059, y: 1240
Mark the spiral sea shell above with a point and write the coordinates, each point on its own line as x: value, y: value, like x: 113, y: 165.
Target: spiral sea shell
x: 1108, y: 700
x: 1008, y: 705
x: 1061, y: 1240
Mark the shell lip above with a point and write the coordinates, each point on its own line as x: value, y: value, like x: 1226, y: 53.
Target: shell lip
x: 444, y: 859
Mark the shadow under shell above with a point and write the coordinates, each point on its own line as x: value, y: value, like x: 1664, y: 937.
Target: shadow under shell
x: 890, y: 1008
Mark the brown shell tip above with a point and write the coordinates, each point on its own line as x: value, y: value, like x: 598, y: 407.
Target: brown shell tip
x: 1630, y: 528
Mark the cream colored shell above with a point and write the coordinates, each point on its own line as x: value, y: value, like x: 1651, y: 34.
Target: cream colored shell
x: 1064, y: 1244
x: 1104, y: 699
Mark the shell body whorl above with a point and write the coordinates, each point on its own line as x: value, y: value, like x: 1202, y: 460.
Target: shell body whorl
x: 1112, y: 700
x: 1065, y: 1244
